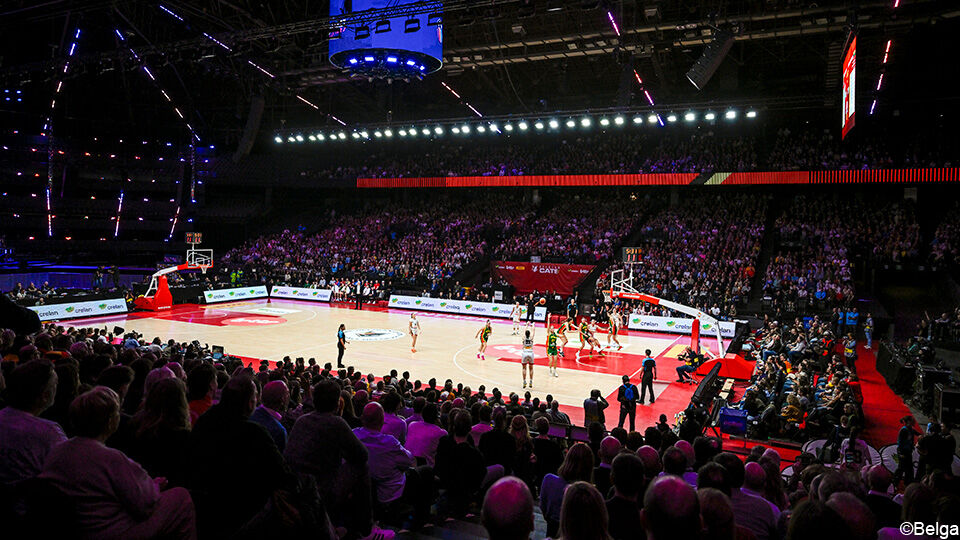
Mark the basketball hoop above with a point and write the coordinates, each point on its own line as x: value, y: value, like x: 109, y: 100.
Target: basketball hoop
x: 200, y: 259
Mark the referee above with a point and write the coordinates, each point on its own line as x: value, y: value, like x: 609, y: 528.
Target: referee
x: 341, y: 344
x: 531, y: 306
x: 572, y: 309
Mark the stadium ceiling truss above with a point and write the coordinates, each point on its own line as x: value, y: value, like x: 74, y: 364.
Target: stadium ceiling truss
x: 534, y: 39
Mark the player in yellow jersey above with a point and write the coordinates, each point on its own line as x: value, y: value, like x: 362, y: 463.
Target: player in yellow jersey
x: 552, y: 337
x: 484, y: 335
x: 586, y: 338
x: 566, y: 326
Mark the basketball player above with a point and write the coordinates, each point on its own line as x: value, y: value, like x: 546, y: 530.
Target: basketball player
x: 414, y: 330
x: 586, y: 337
x: 526, y: 355
x: 515, y: 315
x: 551, y: 350
x: 484, y: 335
x: 565, y: 326
x: 613, y: 315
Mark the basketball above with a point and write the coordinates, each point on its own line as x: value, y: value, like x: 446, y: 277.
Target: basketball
x: 542, y: 301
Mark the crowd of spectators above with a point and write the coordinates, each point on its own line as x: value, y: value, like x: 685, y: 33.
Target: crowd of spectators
x: 803, y: 387
x: 622, y: 150
x: 146, y: 439
x: 819, y: 240
x: 31, y: 295
x: 702, y: 253
x: 576, y: 230
x: 945, y: 246
x: 421, y: 245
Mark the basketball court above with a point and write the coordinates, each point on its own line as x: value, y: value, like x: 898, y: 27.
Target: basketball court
x: 446, y: 348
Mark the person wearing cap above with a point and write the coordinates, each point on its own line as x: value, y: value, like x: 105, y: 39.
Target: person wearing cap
x: 627, y: 395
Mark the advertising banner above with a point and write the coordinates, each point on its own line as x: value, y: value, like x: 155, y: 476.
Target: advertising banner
x: 676, y: 325
x: 462, y: 307
x: 92, y: 308
x: 300, y: 293
x: 239, y: 293
x: 527, y: 277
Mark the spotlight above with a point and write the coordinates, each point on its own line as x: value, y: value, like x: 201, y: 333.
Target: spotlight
x: 355, y: 135
x: 412, y: 132
x: 672, y: 118
x: 299, y: 138
x: 465, y: 128
x: 361, y: 32
x: 538, y: 125
x: 438, y: 130
x: 388, y: 133
x: 368, y: 59
x: 637, y: 119
x: 751, y: 114
x: 710, y: 116
x: 481, y: 129
x: 402, y: 132
x: 382, y: 27
x: 554, y: 124
x: 377, y: 134
x: 278, y: 139
x: 689, y: 117
x: 391, y: 59
x: 585, y: 121
x: 508, y: 127
x: 312, y: 138
x: 342, y: 136
x: 353, y: 61
x: 522, y: 126
x: 604, y: 122
x: 434, y: 19
x: 425, y: 131
x: 571, y: 124
x: 320, y: 136
x: 411, y: 63
x: 730, y: 115
x: 618, y: 120
x: 291, y: 139
x: 652, y: 119
x: 411, y: 25
x: 493, y: 128
x: 455, y: 130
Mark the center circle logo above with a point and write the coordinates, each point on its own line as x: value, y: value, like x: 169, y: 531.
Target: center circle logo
x: 253, y: 320
x: 373, y: 334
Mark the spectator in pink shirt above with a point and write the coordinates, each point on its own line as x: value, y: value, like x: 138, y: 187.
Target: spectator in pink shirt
x: 114, y: 496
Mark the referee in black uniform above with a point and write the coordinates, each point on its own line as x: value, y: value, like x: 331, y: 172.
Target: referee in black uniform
x: 531, y: 306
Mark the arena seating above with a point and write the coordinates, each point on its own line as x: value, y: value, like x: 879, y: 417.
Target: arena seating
x: 821, y: 237
x: 183, y: 416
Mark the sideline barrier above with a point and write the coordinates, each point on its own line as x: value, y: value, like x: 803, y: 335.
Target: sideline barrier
x: 678, y: 325
x: 238, y: 293
x: 300, y: 293
x: 71, y: 310
x: 462, y: 307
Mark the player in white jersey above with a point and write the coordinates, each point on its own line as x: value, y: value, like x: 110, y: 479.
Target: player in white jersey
x: 615, y: 322
x: 414, y: 331
x: 526, y: 355
x: 515, y: 315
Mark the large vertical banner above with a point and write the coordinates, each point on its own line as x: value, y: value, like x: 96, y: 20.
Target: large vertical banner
x: 527, y: 277
x: 849, y: 97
